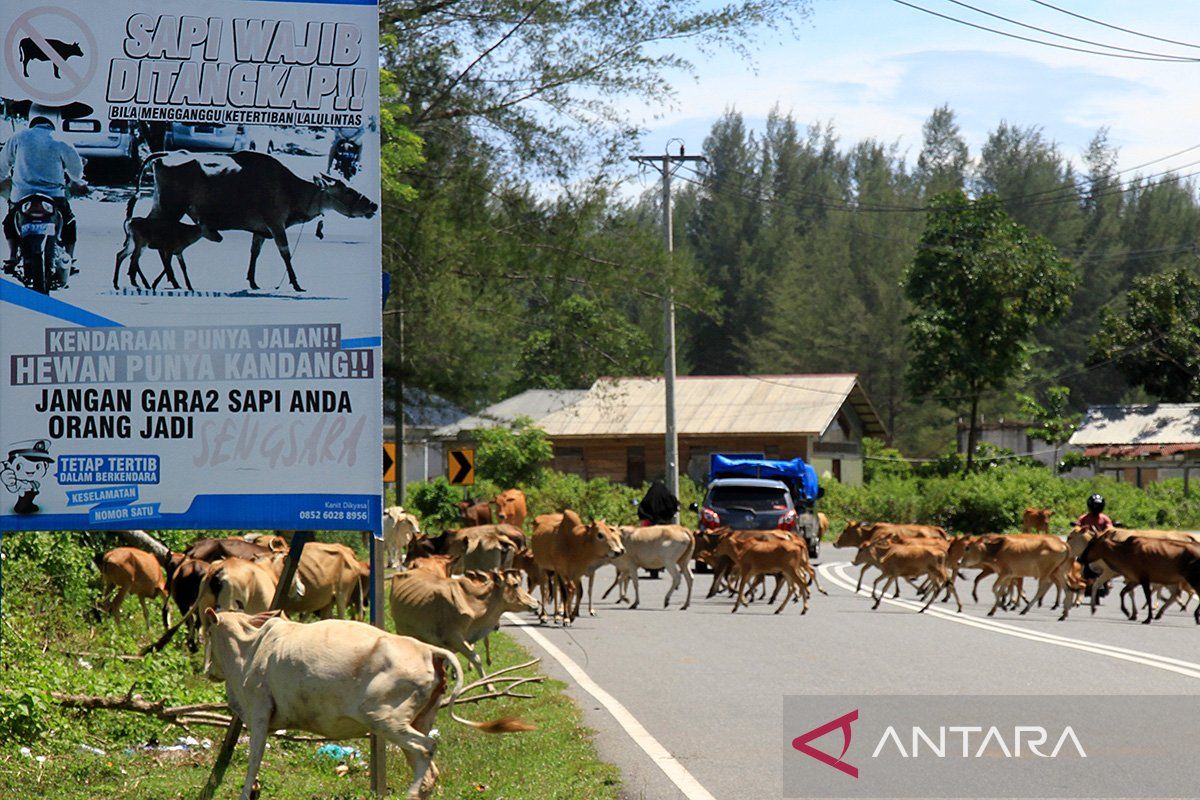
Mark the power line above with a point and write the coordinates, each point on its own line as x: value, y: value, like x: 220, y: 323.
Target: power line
x: 1167, y: 59
x: 1114, y: 27
x: 1065, y: 36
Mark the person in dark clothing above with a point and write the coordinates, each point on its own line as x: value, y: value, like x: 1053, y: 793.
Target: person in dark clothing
x: 659, y: 506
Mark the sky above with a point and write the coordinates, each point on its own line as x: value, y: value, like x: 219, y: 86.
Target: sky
x: 875, y: 68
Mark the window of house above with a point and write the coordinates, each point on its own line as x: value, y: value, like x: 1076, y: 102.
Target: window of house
x: 837, y: 469
x: 635, y: 465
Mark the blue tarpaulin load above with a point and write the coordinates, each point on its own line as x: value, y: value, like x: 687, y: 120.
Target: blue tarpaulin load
x: 800, y: 478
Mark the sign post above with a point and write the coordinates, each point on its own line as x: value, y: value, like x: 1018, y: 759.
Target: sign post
x: 205, y: 395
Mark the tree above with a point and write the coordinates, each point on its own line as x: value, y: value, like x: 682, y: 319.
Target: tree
x: 1155, y: 341
x: 942, y: 164
x: 545, y: 80
x: 1054, y: 422
x: 513, y: 456
x: 980, y: 284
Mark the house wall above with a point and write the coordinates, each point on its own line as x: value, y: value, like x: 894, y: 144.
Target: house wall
x: 613, y: 457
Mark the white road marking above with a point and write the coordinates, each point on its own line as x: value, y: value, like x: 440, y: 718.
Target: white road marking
x: 835, y: 573
x: 670, y: 766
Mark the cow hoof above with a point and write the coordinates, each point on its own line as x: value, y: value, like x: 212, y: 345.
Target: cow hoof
x: 632, y: 607
x: 254, y: 286
x: 296, y: 287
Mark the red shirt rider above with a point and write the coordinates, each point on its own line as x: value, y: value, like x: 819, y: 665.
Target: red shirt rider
x: 1095, y: 519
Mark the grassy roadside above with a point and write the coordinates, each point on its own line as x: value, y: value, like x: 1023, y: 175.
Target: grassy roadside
x: 47, y: 630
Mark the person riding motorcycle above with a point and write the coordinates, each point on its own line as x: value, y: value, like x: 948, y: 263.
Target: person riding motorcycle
x: 44, y: 165
x: 1095, y: 519
x: 340, y: 135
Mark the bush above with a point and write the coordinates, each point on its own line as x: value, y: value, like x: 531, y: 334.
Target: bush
x: 993, y: 500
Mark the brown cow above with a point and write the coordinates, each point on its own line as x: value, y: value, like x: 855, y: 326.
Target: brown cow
x: 1034, y: 555
x: 568, y: 551
x: 126, y: 570
x: 330, y: 573
x: 1036, y: 520
x: 234, y: 547
x: 510, y: 507
x: 458, y: 611
x: 1078, y: 539
x: 753, y: 558
x: 1143, y: 560
x: 475, y: 513
x: 185, y: 578
x: 910, y: 558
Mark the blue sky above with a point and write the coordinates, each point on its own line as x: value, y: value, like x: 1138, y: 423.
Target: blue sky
x: 876, y: 69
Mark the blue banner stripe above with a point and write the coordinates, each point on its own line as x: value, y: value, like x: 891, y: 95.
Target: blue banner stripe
x: 361, y: 342
x: 44, y: 304
x: 227, y: 512
x: 328, y: 2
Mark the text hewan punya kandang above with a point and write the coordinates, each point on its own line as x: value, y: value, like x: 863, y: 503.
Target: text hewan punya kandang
x: 245, y: 63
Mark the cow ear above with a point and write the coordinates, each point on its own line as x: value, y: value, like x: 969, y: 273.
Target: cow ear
x: 210, y: 614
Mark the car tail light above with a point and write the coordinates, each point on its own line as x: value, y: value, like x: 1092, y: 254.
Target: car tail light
x: 788, y: 521
x: 709, y: 518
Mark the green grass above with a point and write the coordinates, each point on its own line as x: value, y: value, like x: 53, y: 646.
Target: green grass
x: 41, y: 627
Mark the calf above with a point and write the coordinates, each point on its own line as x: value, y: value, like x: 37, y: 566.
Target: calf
x: 330, y: 573
x: 169, y: 237
x: 666, y: 547
x: 911, y: 558
x: 399, y: 529
x: 1036, y: 520
x: 458, y: 611
x: 757, y: 557
x: 474, y: 513
x: 339, y: 680
x: 126, y: 570
x: 510, y: 507
x: 1035, y: 555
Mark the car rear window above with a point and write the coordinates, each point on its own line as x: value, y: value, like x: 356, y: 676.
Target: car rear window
x: 758, y: 498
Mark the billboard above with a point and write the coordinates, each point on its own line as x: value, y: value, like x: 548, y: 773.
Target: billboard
x: 189, y: 306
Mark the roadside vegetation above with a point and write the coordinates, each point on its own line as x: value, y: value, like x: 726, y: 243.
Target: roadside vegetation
x: 53, y: 642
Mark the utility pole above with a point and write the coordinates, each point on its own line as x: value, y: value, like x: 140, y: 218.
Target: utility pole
x: 666, y: 164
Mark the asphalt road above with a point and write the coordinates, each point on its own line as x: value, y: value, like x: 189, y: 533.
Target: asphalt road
x: 709, y: 685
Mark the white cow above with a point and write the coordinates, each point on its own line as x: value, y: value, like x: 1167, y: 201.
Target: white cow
x: 338, y: 679
x: 666, y: 547
x: 399, y: 528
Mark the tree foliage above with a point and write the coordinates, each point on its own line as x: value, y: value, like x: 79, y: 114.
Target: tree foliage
x: 980, y: 285
x: 512, y: 456
x: 1155, y: 340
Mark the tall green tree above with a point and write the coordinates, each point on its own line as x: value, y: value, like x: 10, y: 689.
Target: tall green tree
x: 980, y: 285
x: 1155, y: 340
x: 943, y: 162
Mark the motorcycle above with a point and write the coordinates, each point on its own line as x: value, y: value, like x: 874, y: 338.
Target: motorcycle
x: 44, y: 264
x: 345, y: 158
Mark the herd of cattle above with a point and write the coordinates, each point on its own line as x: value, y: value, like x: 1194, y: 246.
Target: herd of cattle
x: 448, y: 592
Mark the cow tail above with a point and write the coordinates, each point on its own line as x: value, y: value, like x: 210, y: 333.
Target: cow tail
x: 501, y: 725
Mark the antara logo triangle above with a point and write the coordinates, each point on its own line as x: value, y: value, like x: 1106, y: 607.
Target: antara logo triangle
x: 801, y: 743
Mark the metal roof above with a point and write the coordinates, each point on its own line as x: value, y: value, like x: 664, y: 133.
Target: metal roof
x: 533, y: 403
x: 756, y: 404
x: 1159, y: 424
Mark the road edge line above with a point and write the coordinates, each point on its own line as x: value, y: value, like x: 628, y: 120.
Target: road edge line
x: 675, y: 771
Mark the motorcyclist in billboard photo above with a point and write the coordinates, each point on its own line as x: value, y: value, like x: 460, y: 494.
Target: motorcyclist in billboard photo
x: 352, y: 137
x: 39, y: 163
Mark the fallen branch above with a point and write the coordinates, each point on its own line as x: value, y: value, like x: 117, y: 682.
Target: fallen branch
x: 488, y: 682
